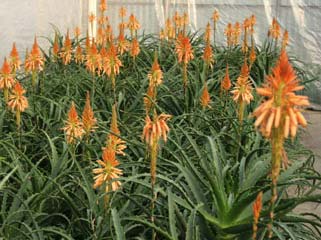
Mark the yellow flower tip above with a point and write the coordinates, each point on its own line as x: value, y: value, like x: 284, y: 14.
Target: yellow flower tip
x: 17, y: 102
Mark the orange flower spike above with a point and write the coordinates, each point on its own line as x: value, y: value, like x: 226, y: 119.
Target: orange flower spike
x: 155, y: 76
x: 87, y: 43
x: 107, y: 172
x: 281, y: 100
x: 88, y: 118
x: 170, y: 31
x: 55, y: 48
x: 34, y: 62
x: 102, y: 21
x: 184, y: 49
x: 257, y: 208
x: 109, y: 34
x: 150, y: 97
x: 14, y: 58
x: 93, y: 59
x: 154, y: 130
x: 242, y: 90
x: 275, y: 29
x: 252, y: 24
x: 208, y: 55
x: 215, y: 16
x: 66, y: 51
x: 134, y: 48
x: 229, y: 33
x: 92, y: 18
x: 207, y: 35
x: 205, y: 98
x: 6, y: 79
x: 123, y: 44
x: 133, y: 25
x: 285, y: 40
x: 252, y: 57
x: 114, y: 141
x: 73, y: 126
x: 103, y: 6
x: 111, y: 62
x: 79, y: 57
x: 236, y: 34
x: 122, y: 12
x: 17, y: 102
x: 77, y: 32
x: 100, y: 36
x: 226, y: 83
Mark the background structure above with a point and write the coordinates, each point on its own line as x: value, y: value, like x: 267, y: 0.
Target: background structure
x: 20, y: 20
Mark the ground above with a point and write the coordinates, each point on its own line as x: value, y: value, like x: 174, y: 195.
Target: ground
x: 311, y: 138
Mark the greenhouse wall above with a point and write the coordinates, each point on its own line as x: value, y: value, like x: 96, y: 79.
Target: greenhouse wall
x: 38, y: 17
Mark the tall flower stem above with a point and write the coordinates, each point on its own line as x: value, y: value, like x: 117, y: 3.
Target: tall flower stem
x: 33, y: 80
x: 277, y: 146
x: 93, y: 88
x: 185, y: 76
x: 153, y: 163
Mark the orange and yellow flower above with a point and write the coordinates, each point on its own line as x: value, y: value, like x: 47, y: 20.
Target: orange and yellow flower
x: 111, y: 62
x: 184, y: 49
x: 229, y: 34
x: 275, y: 29
x: 88, y: 119
x: 134, y: 48
x: 34, y: 61
x: 113, y: 139
x: 205, y: 98
x: 66, y: 51
x: 55, y: 48
x: 282, y: 107
x: 154, y: 130
x: 73, y: 126
x: 93, y: 59
x: 226, y: 82
x: 14, y: 58
x: 17, y: 101
x: 208, y: 55
x: 7, y: 79
x: 256, y: 208
x: 242, y: 91
x: 107, y: 173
